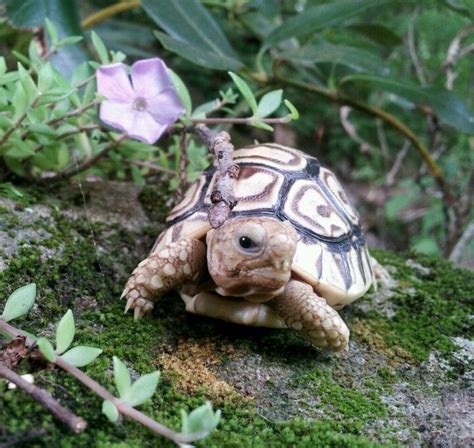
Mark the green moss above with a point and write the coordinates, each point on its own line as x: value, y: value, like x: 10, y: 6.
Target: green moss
x: 80, y: 277
x: 430, y: 308
x: 349, y: 409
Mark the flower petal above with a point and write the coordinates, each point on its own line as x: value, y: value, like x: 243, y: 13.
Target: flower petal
x: 113, y: 82
x: 166, y: 107
x: 150, y: 77
x: 145, y: 128
x: 117, y: 114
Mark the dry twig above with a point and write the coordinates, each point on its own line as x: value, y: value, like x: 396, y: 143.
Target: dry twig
x: 222, y: 197
x: 75, y: 423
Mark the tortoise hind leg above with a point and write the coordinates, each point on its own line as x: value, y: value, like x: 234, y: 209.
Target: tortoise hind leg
x: 311, y: 317
x: 180, y: 262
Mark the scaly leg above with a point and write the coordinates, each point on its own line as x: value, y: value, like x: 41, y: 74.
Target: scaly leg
x: 381, y: 276
x: 311, y: 317
x: 180, y: 262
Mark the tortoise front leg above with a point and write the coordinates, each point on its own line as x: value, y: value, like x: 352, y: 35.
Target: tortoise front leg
x: 180, y: 262
x: 311, y: 317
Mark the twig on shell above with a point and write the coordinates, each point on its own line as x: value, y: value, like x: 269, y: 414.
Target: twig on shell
x: 222, y: 196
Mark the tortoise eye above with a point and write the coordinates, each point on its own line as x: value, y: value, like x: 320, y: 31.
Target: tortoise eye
x: 247, y: 243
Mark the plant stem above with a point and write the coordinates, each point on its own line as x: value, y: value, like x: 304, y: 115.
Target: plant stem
x: 110, y: 11
x: 17, y: 123
x: 231, y: 120
x: 335, y: 97
x: 75, y: 423
x: 73, y: 170
x: 123, y: 407
x: 78, y: 130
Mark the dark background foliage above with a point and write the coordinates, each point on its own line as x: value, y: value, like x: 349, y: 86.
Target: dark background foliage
x: 384, y: 90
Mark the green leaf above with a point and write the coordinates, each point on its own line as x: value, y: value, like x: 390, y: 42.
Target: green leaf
x: 260, y: 124
x: 192, y: 30
x: 142, y: 389
x: 28, y: 84
x: 183, y: 91
x: 447, y: 106
x: 294, y: 114
x: 122, y: 378
x: 45, y: 77
x: 198, y: 55
x: 269, y: 103
x: 81, y: 356
x: 110, y: 410
x: 52, y: 32
x: 20, y: 302
x: 3, y: 66
x: 325, y: 52
x: 201, y: 420
x: 63, y: 14
x: 316, y: 18
x: 100, y: 48
x: 426, y: 245
x: 65, y: 332
x: 377, y: 33
x: 46, y: 349
x: 245, y: 91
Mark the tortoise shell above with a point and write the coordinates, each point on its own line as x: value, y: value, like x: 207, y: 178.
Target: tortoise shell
x: 288, y: 185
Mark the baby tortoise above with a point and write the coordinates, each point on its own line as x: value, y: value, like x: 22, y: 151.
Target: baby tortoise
x: 291, y: 253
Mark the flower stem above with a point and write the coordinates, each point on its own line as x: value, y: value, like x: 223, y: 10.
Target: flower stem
x: 110, y: 11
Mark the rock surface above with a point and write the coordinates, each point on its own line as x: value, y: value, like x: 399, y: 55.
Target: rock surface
x: 407, y: 378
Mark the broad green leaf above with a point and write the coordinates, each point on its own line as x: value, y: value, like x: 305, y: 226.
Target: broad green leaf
x: 65, y: 332
x: 293, y: 111
x: 142, y: 389
x: 189, y: 25
x: 201, y: 420
x: 63, y: 14
x: 318, y: 17
x: 183, y: 92
x: 269, y: 103
x: 20, y: 302
x: 110, y: 410
x: 46, y: 349
x: 81, y: 356
x: 325, y: 52
x: 121, y: 377
x: 447, y: 106
x: 198, y: 55
x: 245, y: 90
x: 100, y: 48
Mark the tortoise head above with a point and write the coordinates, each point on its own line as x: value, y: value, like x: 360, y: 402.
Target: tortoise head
x: 251, y: 257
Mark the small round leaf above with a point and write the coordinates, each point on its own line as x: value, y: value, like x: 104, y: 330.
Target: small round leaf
x: 81, y: 356
x: 46, y: 348
x: 19, y: 302
x: 65, y: 332
x: 110, y: 410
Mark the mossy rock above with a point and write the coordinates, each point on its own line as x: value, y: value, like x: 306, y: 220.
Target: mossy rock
x: 406, y: 378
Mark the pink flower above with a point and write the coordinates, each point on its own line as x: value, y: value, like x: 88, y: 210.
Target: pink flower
x: 144, y: 108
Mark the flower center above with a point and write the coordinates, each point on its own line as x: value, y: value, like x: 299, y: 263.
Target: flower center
x: 139, y: 104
